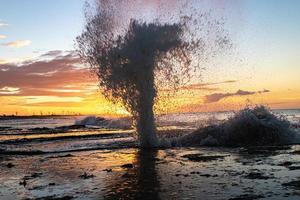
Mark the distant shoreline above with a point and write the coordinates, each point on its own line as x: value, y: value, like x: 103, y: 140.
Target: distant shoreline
x: 8, y: 117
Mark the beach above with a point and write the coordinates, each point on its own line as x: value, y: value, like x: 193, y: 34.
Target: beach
x: 103, y: 161
x: 177, y: 173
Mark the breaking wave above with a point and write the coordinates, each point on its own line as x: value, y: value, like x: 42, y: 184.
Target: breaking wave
x: 99, y: 122
x: 256, y: 126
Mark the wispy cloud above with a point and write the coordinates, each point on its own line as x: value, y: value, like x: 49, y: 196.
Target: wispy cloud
x: 9, y: 90
x: 2, y: 36
x: 53, y: 53
x: 206, y: 86
x: 48, y: 99
x: 17, y: 43
x: 2, y: 61
x: 15, y: 60
x: 215, y: 97
x: 3, y: 24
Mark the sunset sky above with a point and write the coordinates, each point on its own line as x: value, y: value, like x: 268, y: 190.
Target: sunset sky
x: 41, y: 74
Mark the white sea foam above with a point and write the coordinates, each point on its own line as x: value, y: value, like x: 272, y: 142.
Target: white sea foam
x: 250, y: 126
x: 99, y: 122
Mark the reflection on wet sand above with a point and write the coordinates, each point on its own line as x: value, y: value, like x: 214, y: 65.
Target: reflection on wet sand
x: 140, y: 181
x: 177, y: 173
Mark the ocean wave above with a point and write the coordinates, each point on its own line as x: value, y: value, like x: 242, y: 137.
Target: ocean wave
x: 99, y: 122
x: 69, y: 146
x: 256, y: 126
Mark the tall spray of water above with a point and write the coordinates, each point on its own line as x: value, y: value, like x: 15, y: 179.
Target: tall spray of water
x: 132, y: 61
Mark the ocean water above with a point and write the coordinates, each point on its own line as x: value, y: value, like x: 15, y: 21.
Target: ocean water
x: 86, y: 157
x: 72, y: 133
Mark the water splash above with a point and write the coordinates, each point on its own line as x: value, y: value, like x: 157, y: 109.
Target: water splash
x: 256, y: 126
x: 129, y: 62
x: 99, y: 122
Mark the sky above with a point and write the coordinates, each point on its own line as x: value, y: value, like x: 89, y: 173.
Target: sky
x: 41, y: 74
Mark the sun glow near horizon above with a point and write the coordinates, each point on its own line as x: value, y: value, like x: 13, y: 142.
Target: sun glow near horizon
x: 40, y: 74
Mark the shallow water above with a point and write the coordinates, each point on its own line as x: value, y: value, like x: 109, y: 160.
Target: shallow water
x: 38, y: 133
x: 86, y: 162
x: 162, y: 174
x: 33, y: 122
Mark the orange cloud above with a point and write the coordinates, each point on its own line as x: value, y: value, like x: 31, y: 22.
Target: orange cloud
x: 2, y: 61
x: 218, y: 96
x: 2, y: 36
x: 57, y: 82
x: 59, y: 76
x: 9, y: 90
x: 206, y: 86
x: 17, y: 43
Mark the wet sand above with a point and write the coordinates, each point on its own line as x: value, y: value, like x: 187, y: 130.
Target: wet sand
x: 177, y: 173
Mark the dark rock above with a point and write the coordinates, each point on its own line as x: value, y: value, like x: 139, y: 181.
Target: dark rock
x: 294, y: 167
x: 247, y: 197
x: 127, y: 165
x: 264, y: 150
x: 254, y: 151
x: 2, y: 128
x: 10, y: 165
x: 40, y: 129
x: 234, y: 184
x: 36, y: 174
x: 86, y: 175
x: 23, y: 182
x: 296, y: 152
x: 293, y: 184
x: 28, y: 153
x: 205, y: 175
x: 108, y: 170
x: 274, y: 148
x: 76, y: 126
x: 61, y: 156
x: 70, y: 127
x: 256, y: 175
x: 126, y: 175
x: 286, y: 163
x: 52, y: 198
x: 38, y: 187
x: 32, y: 176
x: 51, y: 184
x: 203, y: 158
